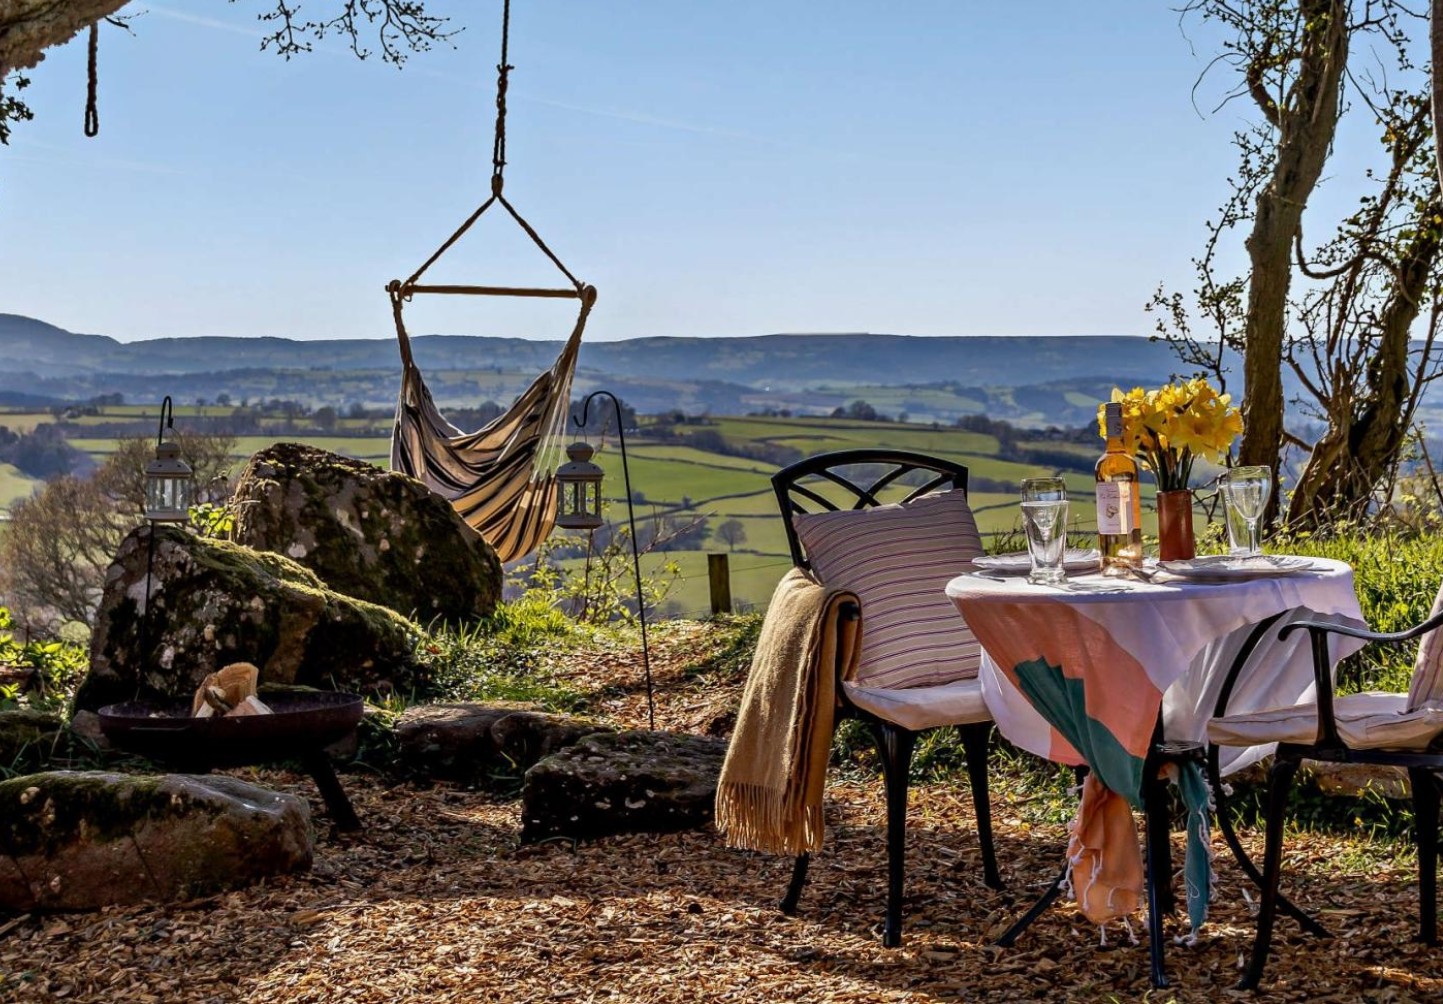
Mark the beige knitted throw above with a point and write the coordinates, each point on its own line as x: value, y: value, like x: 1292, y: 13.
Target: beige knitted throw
x: 769, y: 797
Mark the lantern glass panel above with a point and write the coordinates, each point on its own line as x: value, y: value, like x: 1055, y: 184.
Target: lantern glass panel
x: 168, y: 498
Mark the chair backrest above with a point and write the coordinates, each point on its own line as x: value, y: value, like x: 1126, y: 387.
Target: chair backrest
x: 858, y: 479
x: 893, y: 527
x: 1427, y: 682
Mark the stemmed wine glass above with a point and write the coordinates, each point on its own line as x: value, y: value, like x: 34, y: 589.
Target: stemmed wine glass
x: 1246, y: 491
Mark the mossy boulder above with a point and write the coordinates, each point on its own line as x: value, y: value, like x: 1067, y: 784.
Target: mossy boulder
x: 213, y: 603
x: 369, y: 533
x: 82, y: 840
x: 623, y: 782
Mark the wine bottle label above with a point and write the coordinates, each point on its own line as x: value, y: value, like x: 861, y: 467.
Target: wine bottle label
x: 1116, y: 507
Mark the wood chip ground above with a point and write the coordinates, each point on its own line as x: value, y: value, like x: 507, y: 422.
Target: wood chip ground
x: 436, y: 902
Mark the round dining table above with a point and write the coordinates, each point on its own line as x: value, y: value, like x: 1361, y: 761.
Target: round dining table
x: 1140, y: 647
x: 1121, y: 675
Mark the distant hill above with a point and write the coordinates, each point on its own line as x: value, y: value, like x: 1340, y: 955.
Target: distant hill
x: 1041, y: 380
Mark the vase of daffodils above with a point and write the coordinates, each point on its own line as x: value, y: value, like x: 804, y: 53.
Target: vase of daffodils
x: 1168, y: 429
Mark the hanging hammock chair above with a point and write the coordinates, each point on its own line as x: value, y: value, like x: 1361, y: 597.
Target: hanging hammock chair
x: 501, y: 477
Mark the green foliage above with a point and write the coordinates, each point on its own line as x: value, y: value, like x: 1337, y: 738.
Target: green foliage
x: 1396, y: 571
x: 12, y: 109
x: 601, y: 587
x: 58, y: 665
x: 214, y: 520
x: 511, y: 656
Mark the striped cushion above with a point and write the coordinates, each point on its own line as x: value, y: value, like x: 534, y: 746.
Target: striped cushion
x: 898, y: 559
x: 1427, y: 683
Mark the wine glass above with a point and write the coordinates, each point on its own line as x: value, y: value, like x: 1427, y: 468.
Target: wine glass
x: 1044, y: 520
x: 1246, y: 491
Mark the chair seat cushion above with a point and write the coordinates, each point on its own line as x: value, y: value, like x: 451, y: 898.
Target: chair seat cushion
x: 1370, y: 720
x: 918, y: 708
x: 898, y: 560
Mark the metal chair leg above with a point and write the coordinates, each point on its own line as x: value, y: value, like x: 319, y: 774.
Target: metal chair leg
x: 976, y: 740
x: 895, y: 746
x: 1280, y: 780
x: 799, y: 879
x: 1425, y: 821
x: 1240, y: 855
x: 1010, y: 936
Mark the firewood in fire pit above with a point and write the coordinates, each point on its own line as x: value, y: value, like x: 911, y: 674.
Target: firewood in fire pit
x: 230, y: 691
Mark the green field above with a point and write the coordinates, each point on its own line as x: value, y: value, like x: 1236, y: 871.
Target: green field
x: 14, y: 486
x: 681, y: 482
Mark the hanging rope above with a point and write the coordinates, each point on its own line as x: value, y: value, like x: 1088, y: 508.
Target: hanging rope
x: 499, y: 478
x: 498, y: 146
x: 92, y: 116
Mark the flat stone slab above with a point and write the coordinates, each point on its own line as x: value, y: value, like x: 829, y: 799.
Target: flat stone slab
x: 82, y: 840
x: 623, y: 782
x: 474, y: 742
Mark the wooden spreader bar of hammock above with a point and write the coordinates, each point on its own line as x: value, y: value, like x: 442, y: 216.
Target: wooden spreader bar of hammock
x: 572, y: 293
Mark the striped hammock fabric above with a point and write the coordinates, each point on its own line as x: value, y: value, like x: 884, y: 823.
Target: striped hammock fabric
x: 501, y: 477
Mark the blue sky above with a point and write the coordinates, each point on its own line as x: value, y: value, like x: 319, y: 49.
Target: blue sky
x: 933, y: 167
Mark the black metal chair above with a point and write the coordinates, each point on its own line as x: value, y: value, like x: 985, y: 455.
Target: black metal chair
x: 855, y: 480
x: 1404, y: 730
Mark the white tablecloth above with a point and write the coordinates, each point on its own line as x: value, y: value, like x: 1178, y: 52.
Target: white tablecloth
x: 1182, y: 635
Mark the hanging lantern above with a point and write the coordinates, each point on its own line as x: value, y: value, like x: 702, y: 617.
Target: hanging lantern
x: 169, y: 481
x: 578, y: 490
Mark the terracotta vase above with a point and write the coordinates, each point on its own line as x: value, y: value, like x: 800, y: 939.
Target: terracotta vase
x: 1174, y: 526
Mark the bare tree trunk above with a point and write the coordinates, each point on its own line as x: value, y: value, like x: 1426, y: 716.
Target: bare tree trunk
x: 29, y: 27
x: 1362, y: 443
x: 1435, y: 38
x: 1305, y: 119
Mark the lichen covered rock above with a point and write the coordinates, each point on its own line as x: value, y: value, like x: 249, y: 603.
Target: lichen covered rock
x: 483, y: 742
x: 624, y: 782
x: 214, y: 603
x: 84, y: 840
x: 366, y: 532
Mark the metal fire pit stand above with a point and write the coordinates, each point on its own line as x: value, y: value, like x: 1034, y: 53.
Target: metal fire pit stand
x: 301, y: 728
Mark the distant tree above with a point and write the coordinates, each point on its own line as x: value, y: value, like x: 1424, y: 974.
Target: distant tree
x: 731, y: 532
x: 42, y: 453
x: 325, y: 418
x: 61, y: 540
x: 223, y: 399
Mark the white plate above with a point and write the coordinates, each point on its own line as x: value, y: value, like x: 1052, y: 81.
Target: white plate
x: 1226, y: 566
x: 1074, y: 559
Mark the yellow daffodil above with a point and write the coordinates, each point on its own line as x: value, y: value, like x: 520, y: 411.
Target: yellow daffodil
x: 1167, y: 428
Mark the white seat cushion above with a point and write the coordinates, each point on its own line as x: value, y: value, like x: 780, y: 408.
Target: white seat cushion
x: 918, y: 708
x: 898, y: 560
x: 1365, y: 721
x: 1427, y: 683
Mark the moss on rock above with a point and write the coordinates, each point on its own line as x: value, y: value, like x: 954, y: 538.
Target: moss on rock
x: 81, y: 840
x: 380, y: 536
x: 213, y: 603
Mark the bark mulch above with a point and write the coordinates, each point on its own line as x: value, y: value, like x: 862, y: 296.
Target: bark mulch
x: 435, y: 902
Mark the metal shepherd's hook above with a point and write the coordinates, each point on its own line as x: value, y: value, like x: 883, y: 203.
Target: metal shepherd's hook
x: 635, y: 554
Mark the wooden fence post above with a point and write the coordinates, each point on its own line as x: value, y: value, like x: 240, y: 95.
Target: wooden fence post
x: 719, y: 575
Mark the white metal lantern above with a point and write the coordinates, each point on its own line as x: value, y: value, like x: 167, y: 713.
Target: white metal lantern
x: 578, y: 490
x: 169, y: 481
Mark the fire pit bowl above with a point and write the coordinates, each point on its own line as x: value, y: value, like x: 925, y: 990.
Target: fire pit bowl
x: 302, y: 726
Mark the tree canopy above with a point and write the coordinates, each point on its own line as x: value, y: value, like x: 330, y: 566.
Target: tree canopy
x: 395, y: 28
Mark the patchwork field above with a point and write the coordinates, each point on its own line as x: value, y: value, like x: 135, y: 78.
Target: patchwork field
x: 684, y: 478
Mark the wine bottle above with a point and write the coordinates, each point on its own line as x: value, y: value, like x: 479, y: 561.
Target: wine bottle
x: 1119, y: 500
